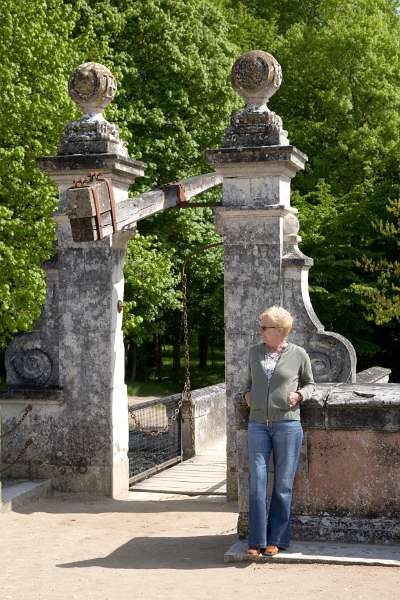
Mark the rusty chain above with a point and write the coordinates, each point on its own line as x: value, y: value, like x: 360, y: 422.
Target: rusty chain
x: 186, y: 395
x: 23, y: 416
x: 28, y: 443
x: 142, y: 429
x: 18, y: 457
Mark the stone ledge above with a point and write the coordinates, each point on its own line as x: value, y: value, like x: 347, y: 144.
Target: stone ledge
x: 374, y: 375
x: 203, y: 396
x: 344, y: 406
x: 20, y: 493
x: 39, y: 395
x: 97, y: 162
x: 352, y: 530
x: 322, y: 553
x: 209, y: 407
x: 353, y: 406
x: 257, y: 154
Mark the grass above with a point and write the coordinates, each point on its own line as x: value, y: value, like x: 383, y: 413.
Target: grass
x: 212, y: 374
x: 152, y: 388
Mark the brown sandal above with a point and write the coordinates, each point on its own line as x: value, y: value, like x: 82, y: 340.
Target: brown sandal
x: 254, y: 552
x: 271, y: 550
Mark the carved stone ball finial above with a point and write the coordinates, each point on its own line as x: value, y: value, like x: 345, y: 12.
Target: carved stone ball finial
x: 92, y: 86
x: 256, y: 76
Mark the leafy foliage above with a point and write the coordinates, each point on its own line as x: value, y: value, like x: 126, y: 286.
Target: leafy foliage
x: 34, y: 106
x: 339, y: 102
x: 347, y: 121
x: 382, y: 297
x: 150, y: 288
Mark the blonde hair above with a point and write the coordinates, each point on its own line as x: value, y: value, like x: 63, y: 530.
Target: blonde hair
x: 280, y: 317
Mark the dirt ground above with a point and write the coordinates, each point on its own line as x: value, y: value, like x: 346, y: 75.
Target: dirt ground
x: 67, y: 547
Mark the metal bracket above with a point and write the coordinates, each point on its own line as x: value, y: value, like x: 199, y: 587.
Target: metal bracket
x: 87, y: 182
x: 178, y: 188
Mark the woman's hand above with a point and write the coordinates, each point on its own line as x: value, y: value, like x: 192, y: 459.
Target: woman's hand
x: 247, y: 398
x: 294, y: 399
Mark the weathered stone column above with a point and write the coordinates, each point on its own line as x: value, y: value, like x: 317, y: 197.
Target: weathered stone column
x: 263, y: 264
x: 77, y: 347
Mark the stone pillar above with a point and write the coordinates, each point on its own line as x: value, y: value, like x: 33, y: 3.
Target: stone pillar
x: 263, y: 264
x: 77, y: 345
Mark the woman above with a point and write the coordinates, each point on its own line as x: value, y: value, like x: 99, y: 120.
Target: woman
x: 279, y: 378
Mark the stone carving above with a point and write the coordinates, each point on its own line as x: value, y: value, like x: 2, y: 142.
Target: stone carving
x: 291, y: 227
x: 332, y: 356
x: 33, y: 366
x: 256, y: 76
x: 291, y: 239
x: 92, y: 86
x: 32, y: 359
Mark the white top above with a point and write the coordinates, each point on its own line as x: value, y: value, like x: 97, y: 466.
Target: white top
x: 269, y: 363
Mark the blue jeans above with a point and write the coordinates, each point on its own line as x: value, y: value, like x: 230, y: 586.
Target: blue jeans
x: 283, y: 439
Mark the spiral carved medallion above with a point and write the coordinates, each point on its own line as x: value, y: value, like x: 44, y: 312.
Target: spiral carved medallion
x: 33, y: 366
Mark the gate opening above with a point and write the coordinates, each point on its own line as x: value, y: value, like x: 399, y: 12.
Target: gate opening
x: 154, y: 437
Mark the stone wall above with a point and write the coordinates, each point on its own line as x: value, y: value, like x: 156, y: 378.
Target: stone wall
x: 209, y: 411
x: 210, y: 415
x: 348, y: 481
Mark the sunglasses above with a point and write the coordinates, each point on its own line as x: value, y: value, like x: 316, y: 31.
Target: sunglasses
x: 264, y: 327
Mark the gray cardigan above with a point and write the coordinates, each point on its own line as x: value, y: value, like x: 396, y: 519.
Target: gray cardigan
x: 270, y: 400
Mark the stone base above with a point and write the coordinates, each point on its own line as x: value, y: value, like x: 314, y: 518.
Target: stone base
x: 323, y: 553
x: 379, y: 530
x: 94, y: 480
x: 327, y: 528
x: 21, y: 492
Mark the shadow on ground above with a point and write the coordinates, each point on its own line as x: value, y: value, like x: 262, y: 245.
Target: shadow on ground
x: 187, y: 553
x: 73, y: 504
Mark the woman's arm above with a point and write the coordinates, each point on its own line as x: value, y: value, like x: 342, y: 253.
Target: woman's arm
x: 306, y: 380
x: 247, y: 384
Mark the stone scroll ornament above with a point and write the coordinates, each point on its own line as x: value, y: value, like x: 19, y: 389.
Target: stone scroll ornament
x: 333, y: 357
x: 92, y: 86
x: 32, y: 366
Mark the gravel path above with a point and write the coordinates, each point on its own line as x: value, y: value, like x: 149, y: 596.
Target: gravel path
x: 156, y: 546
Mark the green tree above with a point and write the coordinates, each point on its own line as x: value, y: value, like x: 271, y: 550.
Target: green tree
x: 175, y: 101
x: 36, y: 60
x: 40, y: 47
x: 150, y: 293
x: 346, y: 119
x: 382, y: 296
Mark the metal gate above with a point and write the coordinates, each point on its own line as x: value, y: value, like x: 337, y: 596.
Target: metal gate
x: 154, y: 436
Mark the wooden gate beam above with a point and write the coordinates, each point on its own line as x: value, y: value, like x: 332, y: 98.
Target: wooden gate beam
x: 89, y: 206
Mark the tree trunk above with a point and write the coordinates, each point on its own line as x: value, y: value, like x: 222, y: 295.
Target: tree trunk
x: 158, y: 357
x: 145, y: 360
x: 130, y: 369
x: 203, y: 351
x: 3, y: 373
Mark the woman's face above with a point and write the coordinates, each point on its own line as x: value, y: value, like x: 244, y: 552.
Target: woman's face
x: 271, y: 334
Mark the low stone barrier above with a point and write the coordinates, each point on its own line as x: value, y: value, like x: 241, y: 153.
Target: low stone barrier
x: 209, y: 406
x: 348, y: 482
